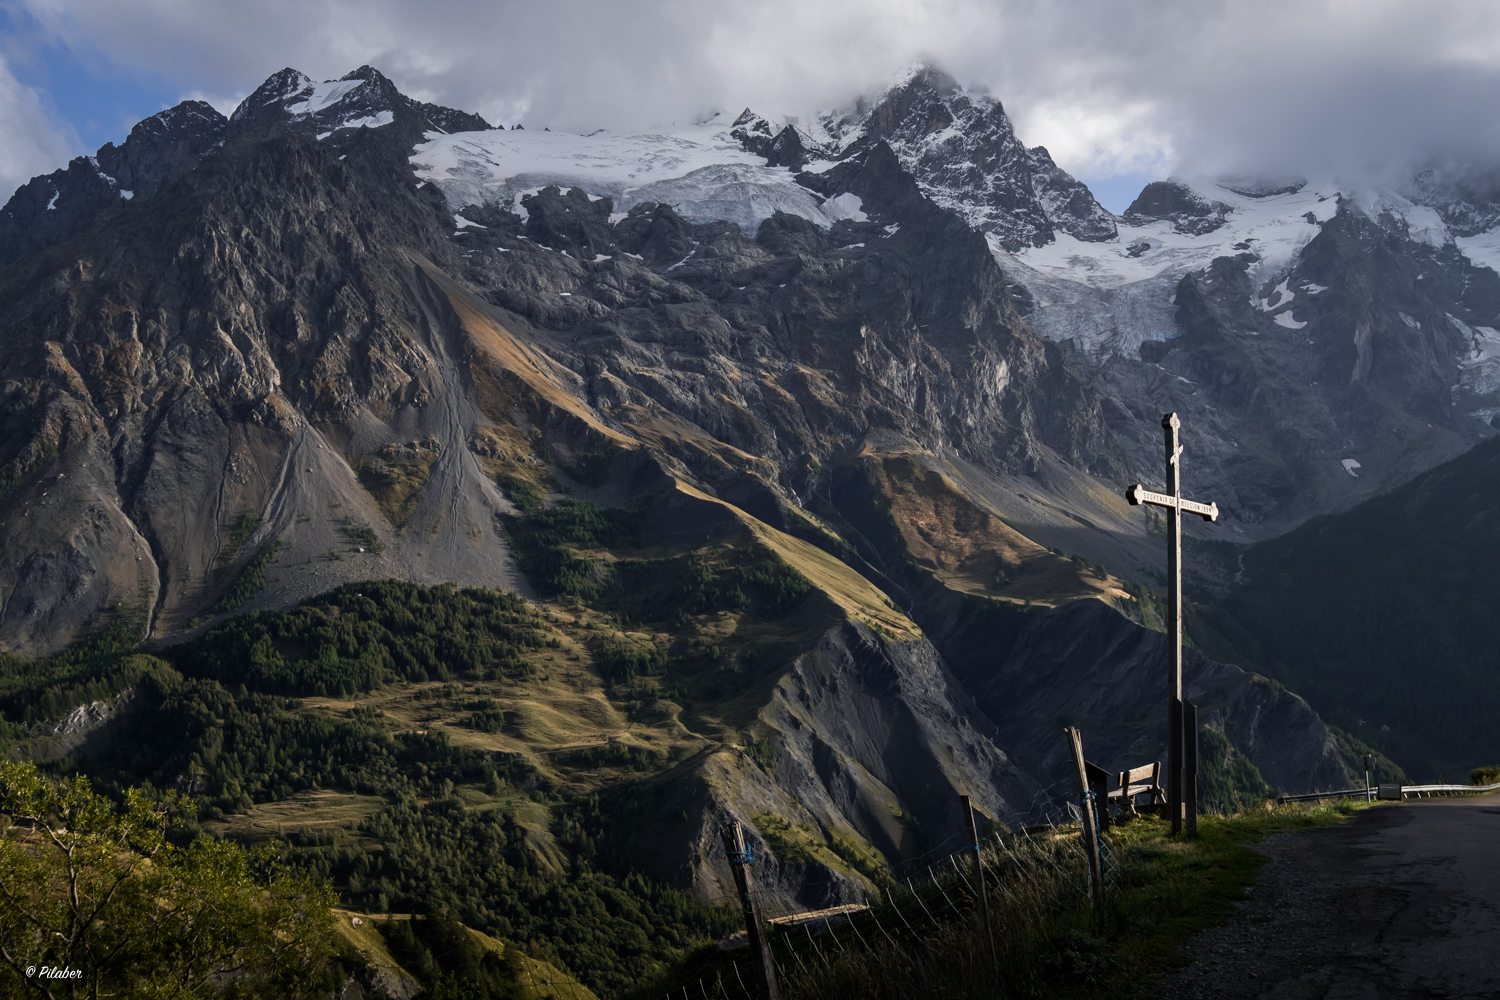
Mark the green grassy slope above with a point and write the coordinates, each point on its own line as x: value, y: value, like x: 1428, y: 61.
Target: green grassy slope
x: 1386, y: 613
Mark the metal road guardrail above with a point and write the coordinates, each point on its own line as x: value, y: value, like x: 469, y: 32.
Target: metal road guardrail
x: 1394, y: 792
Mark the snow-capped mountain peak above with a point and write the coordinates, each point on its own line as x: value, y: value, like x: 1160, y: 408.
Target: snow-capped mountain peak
x: 335, y: 109
x: 962, y: 149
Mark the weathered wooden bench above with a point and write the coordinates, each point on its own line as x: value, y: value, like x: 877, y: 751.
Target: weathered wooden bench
x: 1130, y: 786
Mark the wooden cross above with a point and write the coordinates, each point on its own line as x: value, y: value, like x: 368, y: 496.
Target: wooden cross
x: 1172, y: 501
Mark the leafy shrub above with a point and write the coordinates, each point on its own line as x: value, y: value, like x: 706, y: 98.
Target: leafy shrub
x: 141, y: 917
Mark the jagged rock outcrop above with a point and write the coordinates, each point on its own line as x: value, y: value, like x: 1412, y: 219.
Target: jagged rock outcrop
x: 333, y: 109
x: 1174, y: 202
x: 963, y: 151
x: 868, y: 741
x: 781, y: 149
x: 54, y: 207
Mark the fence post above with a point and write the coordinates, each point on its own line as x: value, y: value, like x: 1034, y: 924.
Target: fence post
x: 1099, y: 782
x: 1190, y: 766
x: 740, y: 859
x: 1090, y: 831
x: 979, y: 890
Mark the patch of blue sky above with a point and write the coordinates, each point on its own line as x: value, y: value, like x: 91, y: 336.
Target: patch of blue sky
x: 1116, y: 191
x: 84, y: 92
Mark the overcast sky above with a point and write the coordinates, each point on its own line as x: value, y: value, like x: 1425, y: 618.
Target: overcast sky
x: 1121, y: 91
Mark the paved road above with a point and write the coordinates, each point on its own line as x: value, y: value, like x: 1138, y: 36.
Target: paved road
x: 1403, y: 901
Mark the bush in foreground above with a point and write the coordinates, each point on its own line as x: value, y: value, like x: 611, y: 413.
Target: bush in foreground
x: 90, y: 887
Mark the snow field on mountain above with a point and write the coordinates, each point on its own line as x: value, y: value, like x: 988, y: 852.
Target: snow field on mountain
x: 1276, y: 229
x: 323, y: 95
x: 1482, y: 250
x: 701, y: 171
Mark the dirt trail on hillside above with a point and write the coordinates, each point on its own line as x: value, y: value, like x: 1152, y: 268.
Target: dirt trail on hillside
x: 1404, y: 901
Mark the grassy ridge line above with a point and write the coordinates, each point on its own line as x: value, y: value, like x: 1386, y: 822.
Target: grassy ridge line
x: 1049, y: 942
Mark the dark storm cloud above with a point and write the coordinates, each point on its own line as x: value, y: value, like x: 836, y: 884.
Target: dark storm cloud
x: 1109, y: 87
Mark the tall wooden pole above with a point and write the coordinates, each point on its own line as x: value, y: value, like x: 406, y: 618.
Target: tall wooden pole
x: 979, y: 889
x: 1170, y: 424
x: 1090, y: 831
x: 1172, y: 502
x: 740, y: 860
x: 1190, y: 767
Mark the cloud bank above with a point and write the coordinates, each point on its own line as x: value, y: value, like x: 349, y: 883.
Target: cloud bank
x: 1174, y: 86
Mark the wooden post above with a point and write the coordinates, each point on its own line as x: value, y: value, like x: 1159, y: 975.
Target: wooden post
x: 979, y: 889
x: 1090, y: 831
x: 740, y: 859
x: 1169, y: 424
x: 1190, y: 766
x: 1099, y: 782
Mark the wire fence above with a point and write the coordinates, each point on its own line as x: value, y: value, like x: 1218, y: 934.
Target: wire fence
x: 1024, y: 873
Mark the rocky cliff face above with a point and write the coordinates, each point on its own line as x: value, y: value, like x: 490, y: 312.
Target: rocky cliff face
x: 52, y: 208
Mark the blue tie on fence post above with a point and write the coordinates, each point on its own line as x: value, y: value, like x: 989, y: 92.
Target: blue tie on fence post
x: 740, y: 859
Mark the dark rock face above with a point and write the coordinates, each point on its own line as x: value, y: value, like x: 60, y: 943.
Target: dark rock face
x: 166, y: 389
x: 857, y: 725
x: 905, y: 318
x: 1263, y: 188
x: 52, y: 208
x: 783, y: 149
x: 1188, y: 211
x: 963, y: 152
x: 164, y: 147
x: 1068, y: 203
